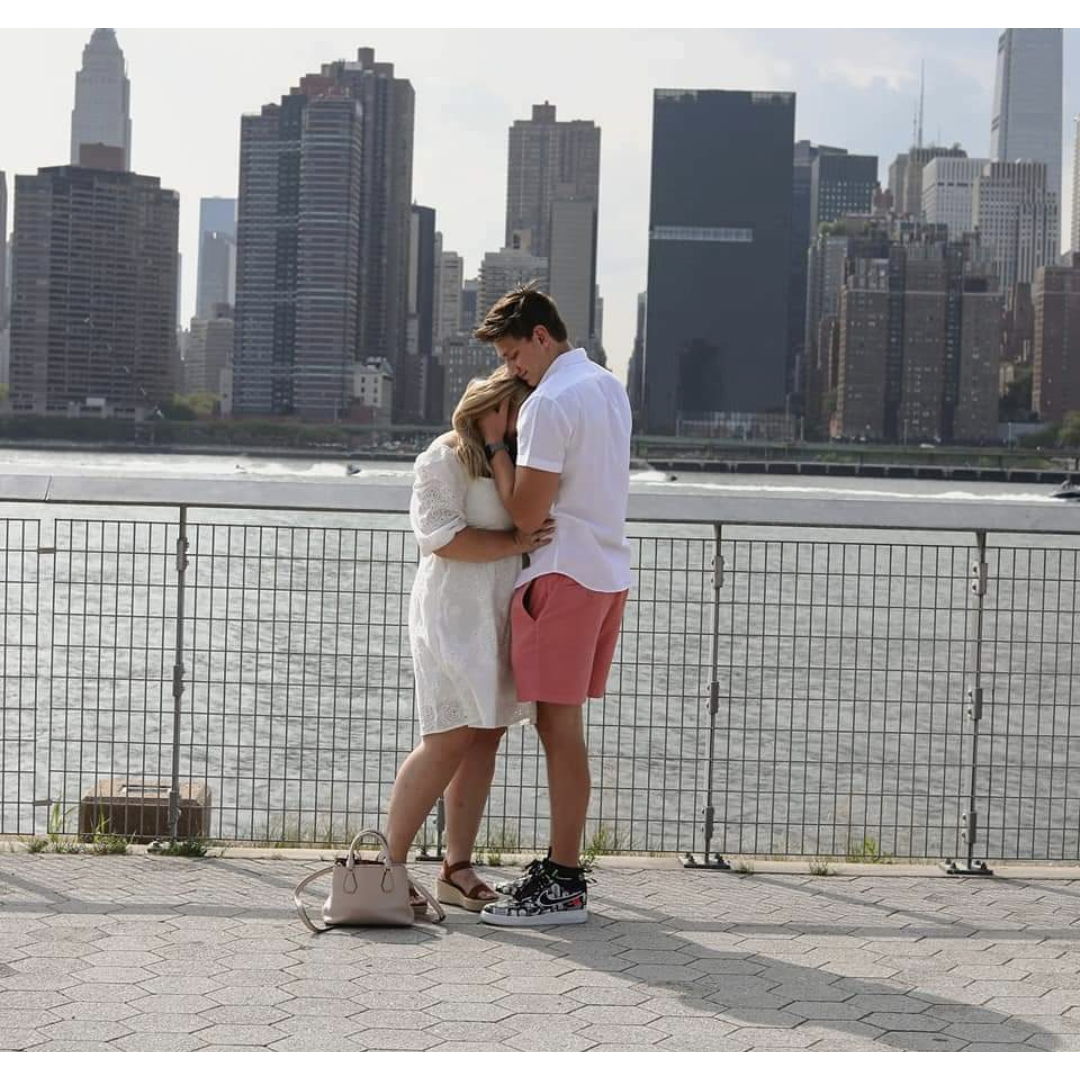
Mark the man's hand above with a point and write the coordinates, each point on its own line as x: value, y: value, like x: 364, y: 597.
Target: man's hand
x: 493, y: 424
x: 538, y: 538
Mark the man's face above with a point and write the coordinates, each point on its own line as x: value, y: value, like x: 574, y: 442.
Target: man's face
x: 527, y: 358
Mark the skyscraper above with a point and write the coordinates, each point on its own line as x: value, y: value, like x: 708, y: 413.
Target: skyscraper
x: 548, y: 160
x: 217, y: 256
x: 1026, y: 122
x: 920, y: 338
x: 4, y: 335
x: 719, y: 251
x: 906, y: 176
x: 634, y: 387
x: 828, y: 260
x: 504, y: 270
x: 209, y: 354
x: 1056, y: 375
x: 449, y: 278
x: 553, y: 194
x: 323, y: 238
x: 1017, y: 217
x: 102, y: 113
x: 417, y: 392
x: 93, y: 321
x: 1075, y: 230
x: 948, y: 192
x: 841, y: 183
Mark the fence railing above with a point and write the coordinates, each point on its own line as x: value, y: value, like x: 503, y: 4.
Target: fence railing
x: 806, y: 675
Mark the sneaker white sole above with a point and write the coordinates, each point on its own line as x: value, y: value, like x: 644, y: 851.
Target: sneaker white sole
x: 549, y: 918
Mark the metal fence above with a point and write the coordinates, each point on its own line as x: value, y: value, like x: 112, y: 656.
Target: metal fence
x: 785, y: 692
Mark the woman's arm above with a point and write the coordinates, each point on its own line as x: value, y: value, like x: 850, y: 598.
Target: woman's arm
x: 487, y: 545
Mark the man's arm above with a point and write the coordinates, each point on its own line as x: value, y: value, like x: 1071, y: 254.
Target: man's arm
x: 526, y: 493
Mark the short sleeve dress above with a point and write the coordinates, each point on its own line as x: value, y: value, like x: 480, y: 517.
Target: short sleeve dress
x: 459, y: 612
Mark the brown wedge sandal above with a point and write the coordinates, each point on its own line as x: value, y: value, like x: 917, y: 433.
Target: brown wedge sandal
x: 446, y: 892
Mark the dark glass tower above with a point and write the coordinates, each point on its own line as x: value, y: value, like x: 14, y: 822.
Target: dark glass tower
x: 719, y: 253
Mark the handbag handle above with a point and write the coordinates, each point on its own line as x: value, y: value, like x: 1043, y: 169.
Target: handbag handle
x: 351, y: 858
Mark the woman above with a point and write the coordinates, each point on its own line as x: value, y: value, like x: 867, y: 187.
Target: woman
x: 459, y: 634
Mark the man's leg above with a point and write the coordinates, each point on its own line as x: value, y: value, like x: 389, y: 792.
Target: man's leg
x: 422, y: 778
x: 562, y: 734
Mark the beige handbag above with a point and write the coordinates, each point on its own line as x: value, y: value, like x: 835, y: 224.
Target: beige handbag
x: 366, y: 893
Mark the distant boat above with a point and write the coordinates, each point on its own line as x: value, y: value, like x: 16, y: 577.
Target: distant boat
x: 1068, y: 490
x: 640, y: 465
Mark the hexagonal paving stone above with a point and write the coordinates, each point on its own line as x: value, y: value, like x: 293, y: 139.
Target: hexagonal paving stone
x: 244, y: 1014
x: 392, y: 1020
x: 299, y: 1007
x: 921, y: 1040
x: 160, y: 984
x: 176, y: 1023
x: 553, y: 1042
x: 183, y: 1003
x: 105, y: 992
x: 86, y: 1030
x: 70, y: 1046
x: 159, y: 1041
x: 94, y: 1010
x: 394, y: 1040
x: 239, y: 1035
x: 622, y: 1034
x: 250, y: 995
x: 327, y: 1027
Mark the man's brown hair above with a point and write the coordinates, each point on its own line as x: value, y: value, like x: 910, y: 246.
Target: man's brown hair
x: 519, y: 313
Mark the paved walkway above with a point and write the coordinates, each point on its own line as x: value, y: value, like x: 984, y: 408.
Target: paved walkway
x: 152, y: 953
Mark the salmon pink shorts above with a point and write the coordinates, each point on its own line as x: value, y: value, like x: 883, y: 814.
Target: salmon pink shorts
x: 563, y: 639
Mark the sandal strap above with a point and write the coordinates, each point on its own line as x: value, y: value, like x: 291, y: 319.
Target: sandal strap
x: 476, y: 892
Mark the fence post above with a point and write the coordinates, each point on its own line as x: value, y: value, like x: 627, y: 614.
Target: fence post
x: 178, y: 674
x: 710, y: 860
x: 970, y: 820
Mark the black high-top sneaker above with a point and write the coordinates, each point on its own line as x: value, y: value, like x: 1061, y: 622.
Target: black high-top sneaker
x: 510, y: 888
x: 552, y: 896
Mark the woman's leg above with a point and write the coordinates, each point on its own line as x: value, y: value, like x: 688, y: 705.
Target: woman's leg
x: 422, y: 778
x: 466, y: 797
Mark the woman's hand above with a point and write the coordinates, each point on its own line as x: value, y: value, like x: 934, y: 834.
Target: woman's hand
x: 493, y: 424
x: 527, y: 542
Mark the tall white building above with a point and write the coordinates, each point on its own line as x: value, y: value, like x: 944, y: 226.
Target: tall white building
x: 449, y: 278
x: 1026, y: 123
x: 948, y: 192
x: 1017, y: 218
x: 102, y: 112
x: 1075, y: 231
x: 572, y: 266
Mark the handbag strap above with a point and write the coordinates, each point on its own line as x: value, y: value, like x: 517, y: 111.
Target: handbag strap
x: 300, y: 903
x: 440, y: 914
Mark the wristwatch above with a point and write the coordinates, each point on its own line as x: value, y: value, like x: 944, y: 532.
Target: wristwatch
x: 492, y: 448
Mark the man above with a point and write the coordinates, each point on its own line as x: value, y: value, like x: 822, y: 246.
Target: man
x: 573, y: 464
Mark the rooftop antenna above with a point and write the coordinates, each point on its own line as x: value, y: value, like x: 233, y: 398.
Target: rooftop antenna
x: 922, y: 97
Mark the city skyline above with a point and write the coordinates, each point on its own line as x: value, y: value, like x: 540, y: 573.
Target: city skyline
x: 469, y: 92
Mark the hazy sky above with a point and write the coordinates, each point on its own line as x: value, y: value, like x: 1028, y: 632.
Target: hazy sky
x: 855, y: 88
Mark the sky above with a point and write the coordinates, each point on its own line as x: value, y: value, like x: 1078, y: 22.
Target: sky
x: 189, y: 88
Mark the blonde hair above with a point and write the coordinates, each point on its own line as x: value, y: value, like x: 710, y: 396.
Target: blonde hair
x: 482, y: 396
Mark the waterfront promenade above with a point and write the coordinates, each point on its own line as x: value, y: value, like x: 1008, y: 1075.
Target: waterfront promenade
x: 149, y: 953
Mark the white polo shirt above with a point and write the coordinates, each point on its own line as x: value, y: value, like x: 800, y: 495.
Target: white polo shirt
x: 577, y: 423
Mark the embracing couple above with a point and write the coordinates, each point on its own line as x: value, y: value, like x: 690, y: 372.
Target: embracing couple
x: 520, y: 515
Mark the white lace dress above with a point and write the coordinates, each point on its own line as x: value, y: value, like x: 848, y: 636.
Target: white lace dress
x: 459, y: 612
